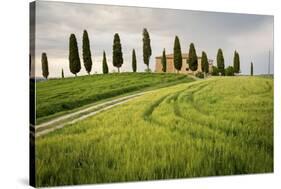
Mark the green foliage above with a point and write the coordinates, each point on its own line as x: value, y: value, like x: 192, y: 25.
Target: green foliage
x: 252, y: 69
x: 74, y: 60
x: 87, y: 52
x: 164, y: 61
x: 204, y: 128
x: 62, y: 74
x: 199, y: 74
x: 146, y: 47
x: 192, y: 58
x: 229, y: 71
x: 236, y: 62
x: 220, y: 62
x: 45, y: 67
x: 134, y: 61
x: 104, y: 64
x: 117, y: 52
x: 204, y: 63
x: 215, y: 71
x: 147, y: 70
x: 177, y: 54
x: 58, y: 96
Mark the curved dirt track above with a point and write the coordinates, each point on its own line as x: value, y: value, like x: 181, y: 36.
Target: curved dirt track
x: 71, y: 118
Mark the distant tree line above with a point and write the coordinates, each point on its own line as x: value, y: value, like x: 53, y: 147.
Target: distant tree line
x: 117, y: 57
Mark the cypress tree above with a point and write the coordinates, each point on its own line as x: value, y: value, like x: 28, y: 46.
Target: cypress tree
x: 87, y: 52
x: 134, y: 61
x: 62, y: 74
x: 236, y: 62
x: 45, y: 67
x: 192, y: 58
x: 252, y: 69
x: 164, y: 61
x: 204, y: 63
x: 117, y: 52
x: 146, y: 47
x: 74, y: 60
x: 177, y: 54
x: 220, y: 62
x: 104, y: 64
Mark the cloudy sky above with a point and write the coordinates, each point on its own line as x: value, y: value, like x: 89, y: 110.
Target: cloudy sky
x: 250, y: 35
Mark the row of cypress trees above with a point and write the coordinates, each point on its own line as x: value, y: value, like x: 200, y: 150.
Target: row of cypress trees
x: 74, y: 59
x: 192, y: 60
x: 231, y: 69
x: 117, y: 55
x: 117, y: 59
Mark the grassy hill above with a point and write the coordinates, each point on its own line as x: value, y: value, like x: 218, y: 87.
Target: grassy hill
x: 219, y: 126
x: 58, y: 96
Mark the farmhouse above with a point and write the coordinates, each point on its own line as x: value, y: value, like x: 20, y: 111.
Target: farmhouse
x: 184, y: 69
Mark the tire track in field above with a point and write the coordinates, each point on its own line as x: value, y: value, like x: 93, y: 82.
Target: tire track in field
x: 190, y: 97
x: 172, y: 99
x: 147, y: 115
x: 216, y: 128
x: 191, y: 102
x: 269, y: 89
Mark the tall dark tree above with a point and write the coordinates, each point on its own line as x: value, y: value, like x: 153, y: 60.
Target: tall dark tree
x: 62, y: 74
x: 192, y: 58
x: 164, y: 61
x: 104, y: 64
x: 204, y: 63
x: 45, y: 67
x: 87, y: 52
x: 252, y: 69
x: 74, y: 60
x: 134, y: 61
x: 220, y: 62
x: 177, y: 54
x: 236, y: 62
x: 117, y: 52
x: 146, y: 47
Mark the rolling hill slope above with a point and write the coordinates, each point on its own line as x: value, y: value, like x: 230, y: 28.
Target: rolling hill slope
x: 56, y: 97
x: 219, y: 126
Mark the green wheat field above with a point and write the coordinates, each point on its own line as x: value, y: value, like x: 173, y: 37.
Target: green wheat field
x: 57, y: 97
x: 212, y: 127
